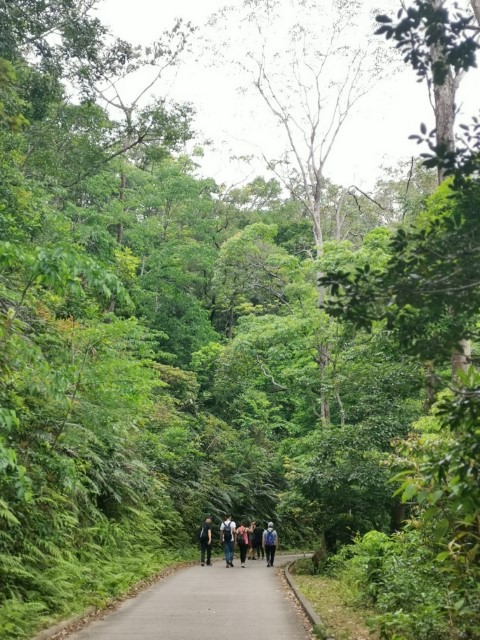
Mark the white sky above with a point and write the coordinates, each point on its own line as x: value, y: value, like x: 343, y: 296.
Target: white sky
x: 375, y: 135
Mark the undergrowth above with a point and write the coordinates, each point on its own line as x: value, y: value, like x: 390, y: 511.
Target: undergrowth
x: 51, y: 587
x: 414, y: 597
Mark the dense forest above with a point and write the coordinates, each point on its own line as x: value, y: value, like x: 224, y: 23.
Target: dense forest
x: 285, y: 349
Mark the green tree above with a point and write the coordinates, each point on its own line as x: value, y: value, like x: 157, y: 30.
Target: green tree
x: 251, y: 274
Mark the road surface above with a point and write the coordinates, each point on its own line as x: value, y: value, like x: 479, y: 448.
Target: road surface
x: 201, y: 603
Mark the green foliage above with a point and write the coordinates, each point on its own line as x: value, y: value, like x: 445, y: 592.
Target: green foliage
x: 251, y: 274
x: 344, y: 482
x: 417, y: 289
x: 424, y: 582
x: 113, y: 557
x: 162, y: 354
x: 444, y: 482
x: 8, y: 78
x: 426, y: 24
x: 409, y: 590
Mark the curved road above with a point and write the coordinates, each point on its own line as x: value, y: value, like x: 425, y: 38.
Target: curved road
x: 201, y: 603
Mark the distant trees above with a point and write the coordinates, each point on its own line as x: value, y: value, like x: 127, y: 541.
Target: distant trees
x: 251, y: 274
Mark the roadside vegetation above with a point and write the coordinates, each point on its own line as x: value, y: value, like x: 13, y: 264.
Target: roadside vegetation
x: 286, y: 349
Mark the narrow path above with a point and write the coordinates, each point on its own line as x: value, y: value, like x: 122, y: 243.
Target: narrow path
x: 200, y: 603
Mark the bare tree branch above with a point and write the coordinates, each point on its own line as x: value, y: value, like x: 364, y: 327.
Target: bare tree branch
x: 369, y: 197
x: 268, y: 375
x: 410, y: 175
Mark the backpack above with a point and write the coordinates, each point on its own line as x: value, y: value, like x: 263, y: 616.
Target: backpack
x: 204, y: 532
x: 270, y: 538
x: 227, y: 532
x: 241, y: 536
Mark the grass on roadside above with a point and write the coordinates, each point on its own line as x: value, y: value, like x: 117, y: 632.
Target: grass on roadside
x: 71, y: 589
x: 328, y: 600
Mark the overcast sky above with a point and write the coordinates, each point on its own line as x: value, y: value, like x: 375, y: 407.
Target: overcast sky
x: 376, y: 134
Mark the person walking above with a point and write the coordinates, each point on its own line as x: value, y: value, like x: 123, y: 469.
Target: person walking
x: 227, y: 537
x: 242, y: 541
x: 251, y: 538
x: 206, y: 541
x: 258, y: 541
x: 270, y: 542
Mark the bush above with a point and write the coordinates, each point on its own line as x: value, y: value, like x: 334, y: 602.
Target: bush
x: 398, y: 576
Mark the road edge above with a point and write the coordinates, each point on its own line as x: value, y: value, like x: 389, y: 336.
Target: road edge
x: 319, y: 628
x: 46, y: 634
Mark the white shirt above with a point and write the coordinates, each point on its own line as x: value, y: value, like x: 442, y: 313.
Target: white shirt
x: 233, y: 526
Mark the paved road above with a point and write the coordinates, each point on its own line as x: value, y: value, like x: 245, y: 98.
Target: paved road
x: 200, y: 603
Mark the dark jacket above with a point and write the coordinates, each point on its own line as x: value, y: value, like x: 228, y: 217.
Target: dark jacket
x: 257, y: 536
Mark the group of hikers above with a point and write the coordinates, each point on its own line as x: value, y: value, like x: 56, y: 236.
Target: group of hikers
x: 253, y: 541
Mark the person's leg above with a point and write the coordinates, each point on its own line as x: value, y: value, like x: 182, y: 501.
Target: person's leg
x: 272, y: 555
x: 227, y: 551
x: 243, y: 553
x: 202, y: 553
x: 267, y: 553
x: 230, y: 547
x: 209, y: 554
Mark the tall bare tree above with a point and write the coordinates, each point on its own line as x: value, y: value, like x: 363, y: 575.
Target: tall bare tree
x: 310, y: 74
x: 311, y: 142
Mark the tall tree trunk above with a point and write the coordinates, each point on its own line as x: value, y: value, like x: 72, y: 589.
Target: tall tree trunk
x: 339, y: 220
x: 461, y: 357
x: 323, y: 349
x: 430, y: 392
x: 444, y: 120
x: 315, y: 212
x: 444, y: 113
x: 231, y: 318
x: 476, y: 9
x: 121, y: 197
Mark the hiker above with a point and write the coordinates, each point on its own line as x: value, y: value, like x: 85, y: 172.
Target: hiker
x: 251, y: 537
x: 242, y: 541
x: 227, y: 537
x: 206, y: 541
x: 257, y: 542
x: 270, y: 542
